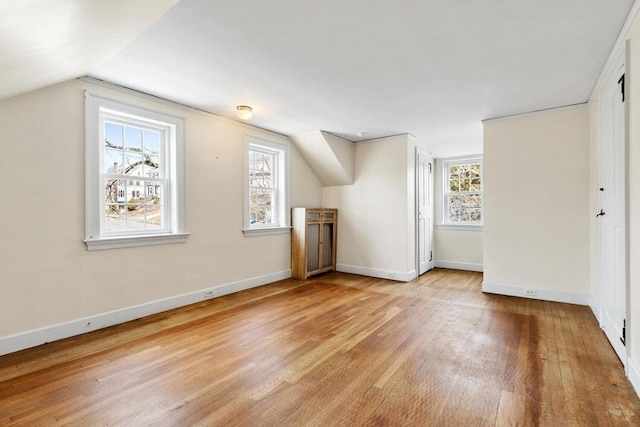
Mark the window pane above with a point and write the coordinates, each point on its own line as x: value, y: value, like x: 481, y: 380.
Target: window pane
x: 463, y: 195
x: 254, y: 179
x: 114, y: 191
x: 261, y: 206
x: 154, y: 217
x: 459, y: 200
x: 112, y: 135
x: 133, y: 164
x: 260, y: 169
x: 262, y: 187
x: 115, y: 217
x: 455, y: 214
x: 151, y: 142
x: 113, y: 161
x: 133, y: 139
x: 132, y: 204
x: 464, y: 208
x: 266, y: 179
x: 475, y: 215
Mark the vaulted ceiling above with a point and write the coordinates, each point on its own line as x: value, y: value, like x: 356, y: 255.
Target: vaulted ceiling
x: 358, y: 69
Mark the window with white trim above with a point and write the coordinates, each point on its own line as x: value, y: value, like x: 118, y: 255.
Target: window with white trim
x: 266, y: 187
x: 462, y: 183
x: 134, y: 176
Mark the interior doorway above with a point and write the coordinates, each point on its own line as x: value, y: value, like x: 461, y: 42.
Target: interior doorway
x: 612, y: 215
x: 424, y: 211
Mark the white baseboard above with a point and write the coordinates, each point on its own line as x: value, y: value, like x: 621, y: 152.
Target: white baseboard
x: 634, y: 375
x: 454, y: 265
x: 376, y: 272
x: 595, y: 309
x: 13, y: 343
x: 540, y: 294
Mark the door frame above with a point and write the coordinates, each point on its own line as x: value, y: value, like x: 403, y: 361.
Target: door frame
x: 431, y: 262
x: 621, y: 63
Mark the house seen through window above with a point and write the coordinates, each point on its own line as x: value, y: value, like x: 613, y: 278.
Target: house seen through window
x: 135, y: 175
x: 133, y: 151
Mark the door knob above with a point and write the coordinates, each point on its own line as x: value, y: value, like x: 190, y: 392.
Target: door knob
x: 600, y: 214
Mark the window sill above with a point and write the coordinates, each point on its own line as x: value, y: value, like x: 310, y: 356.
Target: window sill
x: 466, y: 227
x: 128, y: 242
x: 265, y: 231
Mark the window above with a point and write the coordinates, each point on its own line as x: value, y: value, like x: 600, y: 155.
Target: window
x: 123, y: 142
x: 461, y: 192
x: 266, y: 187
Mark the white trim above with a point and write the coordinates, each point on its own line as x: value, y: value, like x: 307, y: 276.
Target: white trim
x: 620, y: 40
x: 541, y: 294
x: 468, y: 227
x: 265, y: 231
x: 441, y: 167
x: 96, y: 108
x: 634, y: 375
x: 129, y: 242
x: 420, y: 154
x: 377, y: 272
x: 175, y: 104
x: 17, y: 342
x: 595, y: 309
x: 454, y: 265
x: 534, y: 112
x: 283, y: 173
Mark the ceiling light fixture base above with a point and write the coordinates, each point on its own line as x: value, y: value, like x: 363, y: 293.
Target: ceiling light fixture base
x: 244, y: 112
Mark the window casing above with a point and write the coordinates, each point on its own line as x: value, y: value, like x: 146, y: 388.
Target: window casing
x: 266, y: 187
x: 461, y: 192
x: 134, y: 176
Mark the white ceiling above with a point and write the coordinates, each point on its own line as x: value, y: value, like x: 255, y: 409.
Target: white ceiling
x: 433, y: 69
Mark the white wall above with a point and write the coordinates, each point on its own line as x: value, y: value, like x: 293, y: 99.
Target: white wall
x: 376, y: 230
x: 633, y: 97
x: 460, y: 249
x: 536, y: 204
x: 47, y: 277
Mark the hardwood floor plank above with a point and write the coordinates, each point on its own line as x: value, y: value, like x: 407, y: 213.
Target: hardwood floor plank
x: 336, y: 350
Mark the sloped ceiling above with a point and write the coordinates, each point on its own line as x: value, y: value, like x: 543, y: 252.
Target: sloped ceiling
x: 357, y: 69
x: 46, y: 42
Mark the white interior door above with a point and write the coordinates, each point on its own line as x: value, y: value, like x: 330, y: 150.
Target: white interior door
x: 424, y: 208
x: 612, y: 215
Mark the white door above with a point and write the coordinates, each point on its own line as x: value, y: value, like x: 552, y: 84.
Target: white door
x: 612, y: 215
x: 424, y: 211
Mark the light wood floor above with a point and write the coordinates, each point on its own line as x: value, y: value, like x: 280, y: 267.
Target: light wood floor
x: 338, y: 350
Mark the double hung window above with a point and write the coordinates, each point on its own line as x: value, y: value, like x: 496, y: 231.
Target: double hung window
x: 462, y: 191
x: 266, y: 187
x: 134, y: 175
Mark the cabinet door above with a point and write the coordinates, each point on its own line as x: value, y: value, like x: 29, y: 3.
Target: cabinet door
x: 313, y: 244
x: 327, y: 245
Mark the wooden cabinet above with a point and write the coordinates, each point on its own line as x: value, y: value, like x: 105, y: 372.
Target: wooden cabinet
x: 313, y: 241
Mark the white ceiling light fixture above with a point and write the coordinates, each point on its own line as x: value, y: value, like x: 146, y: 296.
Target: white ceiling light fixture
x: 244, y: 112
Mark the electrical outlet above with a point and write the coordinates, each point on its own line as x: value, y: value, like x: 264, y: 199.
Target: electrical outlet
x: 209, y: 293
x: 529, y: 293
